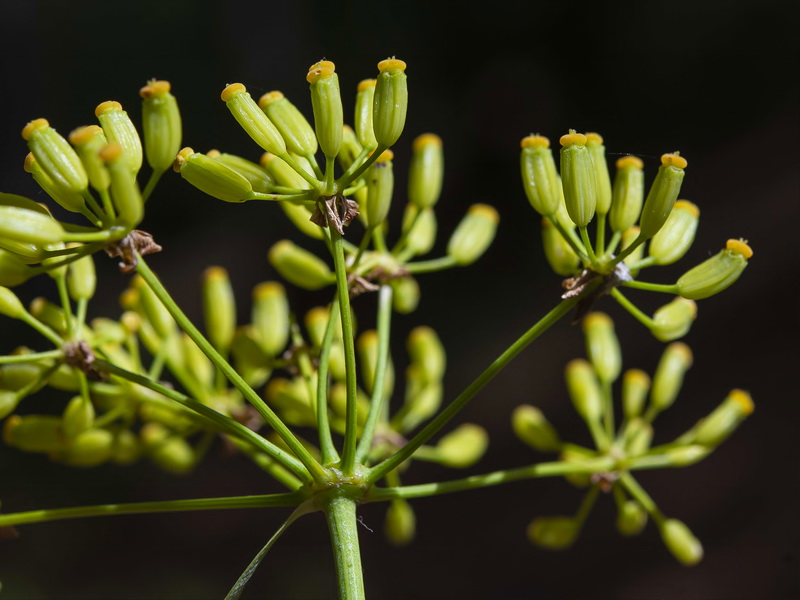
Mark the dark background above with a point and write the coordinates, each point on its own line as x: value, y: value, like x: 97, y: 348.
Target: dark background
x: 715, y: 80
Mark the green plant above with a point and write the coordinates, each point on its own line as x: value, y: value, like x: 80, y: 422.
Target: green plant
x: 193, y: 388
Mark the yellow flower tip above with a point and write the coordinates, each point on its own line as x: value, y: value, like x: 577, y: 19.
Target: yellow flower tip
x: 485, y: 210
x: 690, y: 207
x: 684, y: 351
x: 391, y: 65
x: 573, y: 139
x: 630, y: 161
x: 107, y: 106
x: 743, y: 399
x: 215, y: 273
x: 155, y: 88
x: 597, y: 319
x: 347, y: 130
x: 83, y: 135
x: 35, y: 125
x: 320, y: 72
x: 637, y: 377
x: 8, y: 428
x: 29, y: 162
x: 213, y: 153
x: 322, y: 64
x: 426, y: 139
x: 266, y: 158
x: 130, y: 321
x: 739, y: 247
x: 181, y: 158
x: 269, y: 98
x: 594, y: 138
x: 386, y: 156
x: 111, y: 152
x: 231, y: 91
x: 535, y: 141
x: 366, y: 84
x: 268, y: 289
x: 674, y: 159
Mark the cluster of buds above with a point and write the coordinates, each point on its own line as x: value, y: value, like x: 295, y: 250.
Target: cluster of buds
x: 317, y: 201
x: 93, y: 173
x: 620, y: 449
x: 656, y: 229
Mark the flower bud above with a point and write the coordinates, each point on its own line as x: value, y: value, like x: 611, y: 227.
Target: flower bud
x: 677, y: 235
x: 257, y: 175
x: 300, y: 216
x: 662, y: 195
x: 212, y: 177
x: 13, y: 271
x: 422, y: 235
x: 34, y: 433
x: 78, y: 416
x: 337, y: 400
x: 248, y: 358
x: 723, y: 420
x: 637, y: 437
x: 10, y: 305
x: 196, y: 362
x: 635, y: 385
x: 299, y: 266
x: 154, y: 311
x: 291, y: 399
x: 681, y: 542
x: 29, y: 226
x: 326, y: 102
x: 602, y: 346
x: 673, y: 320
x: 117, y: 127
x: 462, y: 447
x: 8, y: 402
x: 219, y: 308
x: 405, y: 294
x: 400, y: 523
x: 717, y: 273
x: 350, y: 149
x: 584, y: 389
x: 553, y: 533
x: 51, y: 315
x: 56, y: 157
x: 422, y: 400
x: 685, y: 456
x: 367, y: 347
x: 667, y: 381
x: 390, y: 102
x: 252, y: 119
x: 576, y: 454
x: 426, y: 351
x: 161, y: 122
x: 628, y: 237
x: 169, y: 452
x: 426, y: 172
x: 65, y: 197
x: 559, y: 254
x: 90, y: 448
x: 126, y: 448
x: 124, y: 189
x: 88, y: 142
x: 578, y: 178
x: 380, y: 185
x: 290, y: 122
x: 365, y: 98
x: 270, y: 317
x: 597, y: 151
x: 627, y: 195
x: 282, y: 173
x: 474, y: 234
x: 631, y: 518
x: 539, y: 176
x: 81, y: 278
x: 533, y: 428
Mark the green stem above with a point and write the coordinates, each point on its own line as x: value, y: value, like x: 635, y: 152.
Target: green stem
x: 627, y: 250
x: 340, y: 512
x: 328, y: 450
x: 287, y: 158
x: 601, y: 233
x: 642, y: 497
x: 94, y: 236
x: 313, y: 467
x: 667, y: 288
x: 432, y: 265
x: 571, y: 238
x: 32, y: 357
x: 151, y: 184
x: 294, y: 198
x: 588, y: 245
x: 641, y: 264
x: 631, y: 308
x: 40, y: 327
x: 75, y: 255
x: 456, y: 405
x: 66, y: 305
x: 355, y: 170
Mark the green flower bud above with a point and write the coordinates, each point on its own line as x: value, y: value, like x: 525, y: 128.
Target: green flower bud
x: 686, y: 456
x: 56, y: 157
x: 88, y: 142
x: 154, y: 311
x: 602, y: 346
x: 81, y: 278
x: 578, y: 178
x: 8, y: 402
x: 367, y: 348
x: 257, y: 175
x: 299, y: 266
x: 282, y: 173
x: 365, y: 97
x: 717, y: 273
x: 90, y: 448
x: 65, y: 197
x: 597, y: 151
x: 405, y: 295
x: 422, y: 233
x: 553, y: 533
x: 124, y: 189
x: 270, y: 317
x: 400, y: 523
x: 34, y: 433
x: 248, y: 357
x: 350, y: 149
x: 462, y: 447
x: 380, y: 184
x: 78, y: 416
x: 390, y: 102
x: 291, y: 399
x: 161, y: 121
x: 219, y: 308
x: 10, y: 305
x: 635, y: 385
x: 13, y: 271
x: 723, y: 420
x: 252, y: 119
x: 677, y: 235
x: 117, y: 127
x: 196, y: 362
x: 427, y: 352
x: 627, y: 195
x: 675, y: 361
x: 426, y: 172
x: 28, y: 226
x: 673, y: 320
x: 48, y: 313
x: 300, y: 216
x: 422, y: 400
x: 584, y: 389
x: 338, y: 403
x: 533, y: 428
x: 474, y: 234
x: 316, y: 322
x: 662, y: 195
x: 681, y: 542
x: 290, y: 122
x: 630, y: 236
x: 577, y: 454
x: 559, y: 254
x: 212, y: 177
x: 637, y: 437
x: 631, y: 518
x: 27, y: 252
x: 126, y: 448
x: 326, y: 102
x: 169, y: 452
x: 539, y: 176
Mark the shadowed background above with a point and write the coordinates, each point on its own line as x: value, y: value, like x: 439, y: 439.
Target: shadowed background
x: 714, y: 81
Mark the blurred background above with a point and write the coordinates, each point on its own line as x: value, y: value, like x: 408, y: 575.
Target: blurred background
x: 715, y: 80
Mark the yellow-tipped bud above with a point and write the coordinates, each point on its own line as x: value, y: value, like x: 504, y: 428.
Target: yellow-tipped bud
x: 662, y: 195
x: 88, y: 142
x: 326, y: 101
x: 66, y: 198
x: 212, y: 177
x: 667, y: 381
x: 553, y: 533
x: 462, y: 447
x: 10, y: 305
x: 270, y: 317
x: 380, y: 185
x: 723, y: 420
x: 584, y: 390
x: 219, y: 308
x: 422, y: 235
x: 602, y: 346
x: 299, y: 266
x: 124, y: 189
x: 257, y: 175
x: 474, y: 234
x: 559, y: 254
x: 578, y: 179
x: 290, y: 122
x: 252, y: 119
x: 717, y: 273
x: 681, y: 542
x: 672, y: 321
x: 532, y: 427
x: 118, y: 127
x: 597, y: 151
x: 55, y: 156
x: 34, y: 433
x: 426, y: 172
x: 161, y: 121
x: 390, y: 101
x: 675, y: 238
x: 539, y: 176
x: 29, y: 226
x: 627, y: 195
x: 635, y: 386
x: 365, y: 97
x: 427, y: 353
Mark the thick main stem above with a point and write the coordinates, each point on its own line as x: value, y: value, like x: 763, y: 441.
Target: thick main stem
x: 340, y: 512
